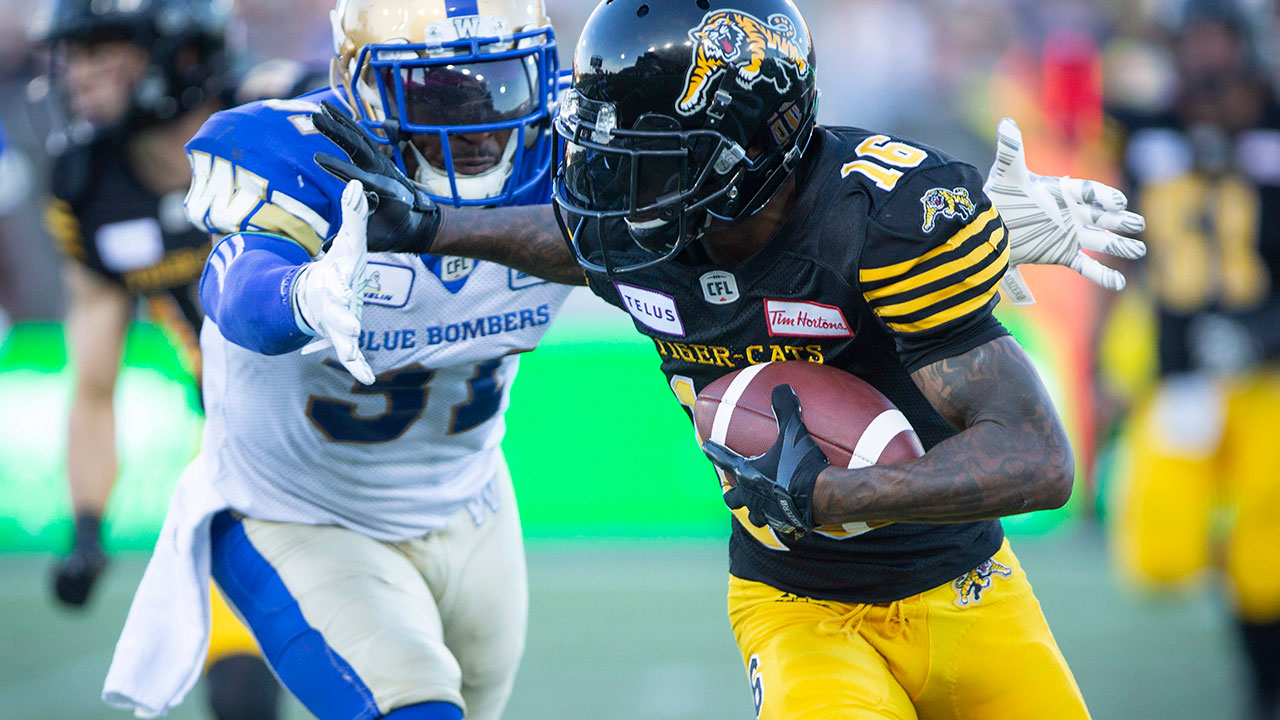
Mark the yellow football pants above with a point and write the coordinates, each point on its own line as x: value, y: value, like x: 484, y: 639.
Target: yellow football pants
x: 228, y: 636
x: 977, y: 648
x: 1199, y: 453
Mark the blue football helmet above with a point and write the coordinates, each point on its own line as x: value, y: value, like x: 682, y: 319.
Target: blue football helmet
x: 461, y: 90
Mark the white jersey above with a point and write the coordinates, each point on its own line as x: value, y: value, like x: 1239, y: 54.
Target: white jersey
x: 294, y: 438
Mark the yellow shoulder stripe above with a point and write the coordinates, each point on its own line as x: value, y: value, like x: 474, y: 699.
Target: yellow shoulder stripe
x: 968, y: 283
x: 63, y: 225
x: 948, y: 315
x: 975, y: 258
x: 955, y: 241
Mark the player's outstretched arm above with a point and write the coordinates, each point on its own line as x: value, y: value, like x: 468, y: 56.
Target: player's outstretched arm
x: 525, y: 238
x: 1011, y: 455
x: 1053, y: 220
x: 405, y: 219
x: 267, y: 295
x: 245, y: 290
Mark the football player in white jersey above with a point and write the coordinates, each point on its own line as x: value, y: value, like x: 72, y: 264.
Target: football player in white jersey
x: 366, y: 532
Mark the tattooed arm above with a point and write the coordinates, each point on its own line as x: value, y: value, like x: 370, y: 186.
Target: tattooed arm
x: 525, y: 238
x: 931, y: 288
x: 1011, y: 454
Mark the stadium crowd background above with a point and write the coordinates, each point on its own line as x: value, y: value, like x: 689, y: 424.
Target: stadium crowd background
x: 940, y: 71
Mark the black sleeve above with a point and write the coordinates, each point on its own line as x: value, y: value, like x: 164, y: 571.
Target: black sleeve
x: 66, y: 188
x: 934, y: 255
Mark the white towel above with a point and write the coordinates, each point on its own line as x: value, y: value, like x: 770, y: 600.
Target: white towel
x: 162, y: 648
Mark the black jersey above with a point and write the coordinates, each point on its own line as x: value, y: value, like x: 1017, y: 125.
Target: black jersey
x: 1213, y: 225
x: 888, y: 261
x: 102, y: 217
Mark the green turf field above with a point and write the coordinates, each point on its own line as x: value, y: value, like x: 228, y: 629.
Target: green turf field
x: 622, y: 631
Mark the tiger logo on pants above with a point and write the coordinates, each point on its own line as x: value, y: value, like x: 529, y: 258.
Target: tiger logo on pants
x: 970, y: 586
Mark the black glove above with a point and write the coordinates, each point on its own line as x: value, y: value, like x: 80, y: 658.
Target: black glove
x: 776, y: 487
x: 402, y: 218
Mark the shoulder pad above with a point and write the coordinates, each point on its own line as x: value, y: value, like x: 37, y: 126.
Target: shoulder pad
x: 934, y: 251
x: 877, y: 164
x: 932, y: 202
x: 252, y: 171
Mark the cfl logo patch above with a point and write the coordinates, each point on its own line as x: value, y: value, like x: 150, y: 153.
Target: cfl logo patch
x: 757, y: 683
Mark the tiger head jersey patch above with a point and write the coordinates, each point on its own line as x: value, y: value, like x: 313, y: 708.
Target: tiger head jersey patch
x: 951, y: 204
x: 734, y: 39
x: 971, y: 586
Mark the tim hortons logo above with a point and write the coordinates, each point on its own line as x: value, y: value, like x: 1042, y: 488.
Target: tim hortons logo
x: 805, y: 319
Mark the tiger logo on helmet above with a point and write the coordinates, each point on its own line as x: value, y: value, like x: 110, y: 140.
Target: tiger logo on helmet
x: 734, y: 39
x: 954, y: 203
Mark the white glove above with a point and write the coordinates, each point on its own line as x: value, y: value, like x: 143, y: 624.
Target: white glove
x: 328, y: 294
x: 1052, y: 220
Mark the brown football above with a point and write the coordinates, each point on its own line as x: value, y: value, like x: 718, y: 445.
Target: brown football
x: 851, y: 421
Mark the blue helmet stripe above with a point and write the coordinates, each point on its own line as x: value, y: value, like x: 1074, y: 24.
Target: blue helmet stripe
x: 462, y: 8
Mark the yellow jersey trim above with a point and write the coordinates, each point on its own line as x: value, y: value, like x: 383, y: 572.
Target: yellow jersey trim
x: 955, y: 241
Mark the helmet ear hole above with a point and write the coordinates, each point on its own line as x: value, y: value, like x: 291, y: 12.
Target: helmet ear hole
x: 704, y: 5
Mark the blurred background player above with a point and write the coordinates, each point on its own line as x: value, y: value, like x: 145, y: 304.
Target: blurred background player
x: 134, y: 81
x: 367, y: 533
x: 116, y: 193
x: 1206, y: 173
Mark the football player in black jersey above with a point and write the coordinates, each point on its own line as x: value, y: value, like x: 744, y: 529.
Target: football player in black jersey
x: 698, y: 194
x: 135, y: 80
x: 1207, y: 173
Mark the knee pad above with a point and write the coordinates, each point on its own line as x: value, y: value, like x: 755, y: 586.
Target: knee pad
x: 242, y: 687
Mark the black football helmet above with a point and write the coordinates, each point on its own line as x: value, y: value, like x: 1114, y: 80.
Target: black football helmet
x: 684, y: 115
x: 186, y: 40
